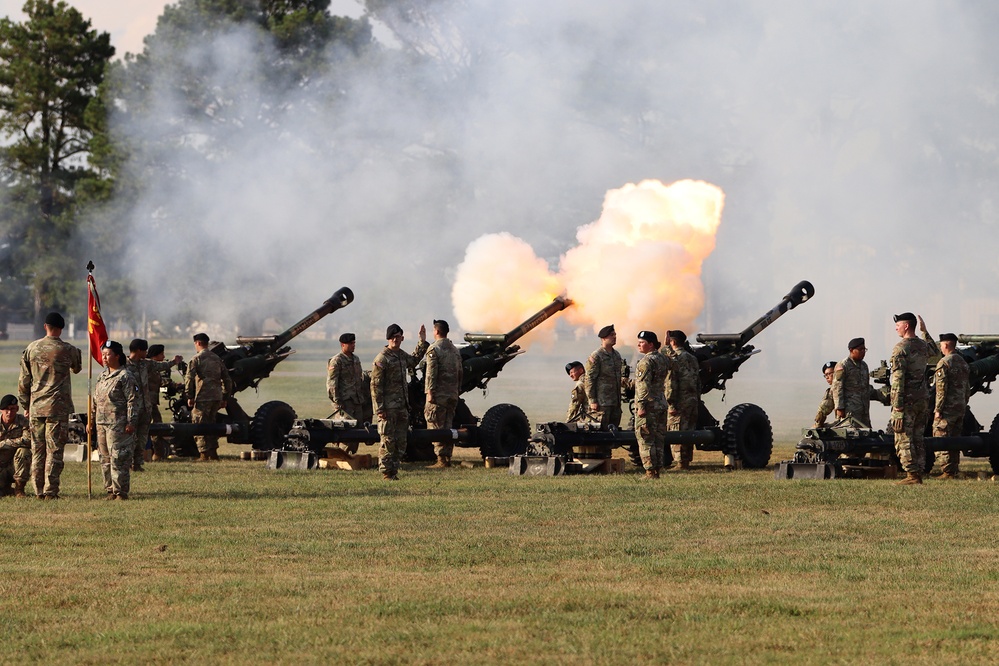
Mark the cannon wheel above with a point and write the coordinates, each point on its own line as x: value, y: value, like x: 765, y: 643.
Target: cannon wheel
x: 504, y: 432
x: 748, y: 432
x: 994, y: 438
x: 423, y: 452
x: 271, y: 422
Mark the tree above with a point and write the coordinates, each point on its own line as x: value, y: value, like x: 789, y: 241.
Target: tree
x: 50, y: 69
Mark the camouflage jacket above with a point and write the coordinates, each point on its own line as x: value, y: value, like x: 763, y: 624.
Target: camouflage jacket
x: 344, y: 379
x: 390, y: 377
x: 117, y: 397
x: 140, y: 372
x: 650, y: 381
x: 16, y: 435
x: 908, y: 373
x: 158, y: 375
x: 604, y: 369
x: 444, y: 370
x: 826, y: 407
x: 44, y: 387
x: 683, y: 382
x: 207, y: 378
x: 579, y: 406
x: 953, y: 390
x: 852, y: 391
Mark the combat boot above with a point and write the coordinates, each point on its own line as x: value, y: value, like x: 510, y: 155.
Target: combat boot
x: 684, y: 464
x: 442, y: 462
x: 651, y: 474
x: 214, y: 455
x: 19, y: 489
x: 390, y: 476
x: 911, y: 479
x: 947, y: 475
x: 203, y: 458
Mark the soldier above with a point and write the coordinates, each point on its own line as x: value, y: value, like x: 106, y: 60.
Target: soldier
x: 208, y: 386
x: 15, y: 448
x: 650, y: 404
x: 136, y: 364
x: 160, y: 376
x: 827, y: 405
x: 578, y: 404
x: 851, y: 388
x: 118, y: 400
x: 603, y: 380
x: 443, y: 386
x: 683, y: 393
x: 46, y: 395
x: 390, y: 397
x: 345, y: 381
x: 909, y: 398
x: 952, y: 392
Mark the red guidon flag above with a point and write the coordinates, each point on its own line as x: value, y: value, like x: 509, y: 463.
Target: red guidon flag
x: 95, y: 323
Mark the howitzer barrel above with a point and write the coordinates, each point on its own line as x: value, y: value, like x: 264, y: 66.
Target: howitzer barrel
x: 340, y: 299
x: 978, y: 339
x: 557, y: 305
x: 984, y: 370
x: 798, y: 295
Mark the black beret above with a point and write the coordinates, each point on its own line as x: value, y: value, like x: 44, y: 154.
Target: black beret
x: 114, y: 346
x: 138, y: 344
x: 392, y: 331
x: 948, y: 337
x: 605, y: 332
x: 347, y: 338
x: 648, y: 336
x: 201, y: 337
x: 679, y: 336
x: 828, y: 365
x: 442, y: 326
x: 55, y: 320
x: 156, y: 350
x: 905, y: 316
x: 570, y: 366
x: 7, y: 401
x: 855, y: 343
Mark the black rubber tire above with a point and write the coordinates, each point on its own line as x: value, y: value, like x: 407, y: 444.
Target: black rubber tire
x: 420, y: 452
x: 748, y: 432
x: 271, y: 422
x: 463, y: 415
x: 504, y: 431
x: 994, y: 438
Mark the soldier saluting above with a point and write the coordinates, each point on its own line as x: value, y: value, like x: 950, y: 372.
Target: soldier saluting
x: 390, y: 397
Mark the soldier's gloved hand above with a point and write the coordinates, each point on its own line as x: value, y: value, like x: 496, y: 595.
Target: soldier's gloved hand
x: 897, y: 422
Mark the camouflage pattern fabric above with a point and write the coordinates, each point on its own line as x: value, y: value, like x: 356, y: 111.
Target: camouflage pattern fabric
x: 950, y: 378
x: 390, y: 396
x: 345, y: 386
x: 117, y: 399
x: 683, y: 393
x: 206, y: 411
x: 141, y: 372
x: 393, y: 431
x: 909, y: 401
x: 48, y: 443
x: 826, y: 407
x: 15, y: 451
x: 443, y: 380
x: 650, y: 398
x: 579, y: 406
x: 44, y: 386
x: 207, y: 378
x: 604, y: 370
x: 852, y: 391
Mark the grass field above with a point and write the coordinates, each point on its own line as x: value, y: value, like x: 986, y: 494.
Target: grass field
x: 231, y: 562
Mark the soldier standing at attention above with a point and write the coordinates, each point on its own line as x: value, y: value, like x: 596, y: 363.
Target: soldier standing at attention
x: 909, y: 398
x: 952, y: 392
x: 827, y: 405
x: 46, y: 395
x: 158, y: 376
x: 578, y: 405
x: 345, y: 381
x: 603, y: 380
x: 851, y: 388
x: 208, y: 386
x: 650, y: 404
x: 443, y: 386
x: 683, y: 393
x: 15, y: 448
x: 390, y: 397
x: 136, y: 364
x: 117, y: 397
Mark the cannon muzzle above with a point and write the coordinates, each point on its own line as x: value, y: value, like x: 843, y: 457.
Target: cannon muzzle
x: 558, y: 304
x: 341, y: 298
x: 798, y: 295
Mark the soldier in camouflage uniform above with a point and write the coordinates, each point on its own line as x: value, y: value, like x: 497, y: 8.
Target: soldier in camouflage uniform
x: 208, y: 386
x: 650, y: 404
x: 909, y: 398
x: 851, y: 388
x: 345, y: 381
x: 15, y: 448
x: 46, y: 395
x: 136, y: 364
x: 160, y: 376
x: 117, y: 399
x: 604, y: 372
x: 952, y: 392
x: 683, y: 393
x: 827, y: 405
x: 390, y: 397
x: 443, y: 386
x: 578, y: 404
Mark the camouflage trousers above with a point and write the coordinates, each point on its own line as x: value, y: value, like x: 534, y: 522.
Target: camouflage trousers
x: 608, y: 415
x: 650, y: 431
x: 909, y: 444
x: 159, y: 443
x: 141, y: 437
x: 48, y: 441
x: 440, y: 416
x: 116, y: 448
x: 393, y: 432
x: 15, y: 465
x: 205, y: 411
x: 949, y: 461
x: 348, y: 409
x: 683, y: 417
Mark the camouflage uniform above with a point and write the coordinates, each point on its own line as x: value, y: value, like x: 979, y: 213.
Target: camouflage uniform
x: 579, y: 406
x: 852, y: 391
x: 826, y: 407
x: 443, y: 379
x: 952, y: 393
x: 604, y: 370
x: 683, y: 393
x: 15, y: 453
x: 118, y: 402
x: 141, y: 374
x: 209, y: 385
x: 908, y: 401
x: 650, y: 428
x: 344, y: 385
x: 46, y: 395
x: 390, y: 395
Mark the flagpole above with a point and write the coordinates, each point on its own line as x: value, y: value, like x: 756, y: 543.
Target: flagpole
x: 90, y: 398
